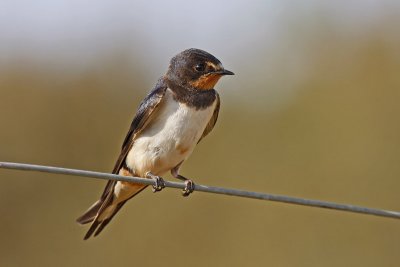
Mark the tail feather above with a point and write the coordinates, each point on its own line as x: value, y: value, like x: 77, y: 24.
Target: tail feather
x: 106, y: 221
x: 104, y: 204
x: 91, y: 230
x: 103, y: 211
x: 90, y: 214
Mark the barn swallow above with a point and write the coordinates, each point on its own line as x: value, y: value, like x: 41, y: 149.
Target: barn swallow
x: 176, y: 115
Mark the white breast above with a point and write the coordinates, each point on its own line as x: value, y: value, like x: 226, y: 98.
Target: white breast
x: 170, y: 138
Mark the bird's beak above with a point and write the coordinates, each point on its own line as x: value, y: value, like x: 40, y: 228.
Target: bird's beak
x: 226, y: 72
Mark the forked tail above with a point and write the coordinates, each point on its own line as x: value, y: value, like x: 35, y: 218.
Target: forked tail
x: 102, y: 212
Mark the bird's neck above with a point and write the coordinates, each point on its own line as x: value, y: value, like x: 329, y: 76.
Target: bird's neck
x: 199, y: 99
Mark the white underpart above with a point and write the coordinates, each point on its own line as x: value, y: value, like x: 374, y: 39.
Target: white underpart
x: 166, y: 141
x: 170, y: 137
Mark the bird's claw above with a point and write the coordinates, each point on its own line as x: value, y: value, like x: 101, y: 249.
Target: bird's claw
x: 159, y: 182
x: 189, y: 188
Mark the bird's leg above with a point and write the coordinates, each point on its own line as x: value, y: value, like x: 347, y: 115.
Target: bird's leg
x: 159, y: 182
x: 189, y: 184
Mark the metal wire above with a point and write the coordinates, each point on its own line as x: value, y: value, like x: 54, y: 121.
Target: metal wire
x: 205, y: 188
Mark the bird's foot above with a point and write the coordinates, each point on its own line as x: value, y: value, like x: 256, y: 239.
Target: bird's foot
x: 159, y: 182
x: 189, y: 188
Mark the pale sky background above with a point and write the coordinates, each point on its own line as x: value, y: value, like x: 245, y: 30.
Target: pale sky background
x: 250, y: 37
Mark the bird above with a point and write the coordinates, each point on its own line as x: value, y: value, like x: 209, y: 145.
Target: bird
x: 171, y: 120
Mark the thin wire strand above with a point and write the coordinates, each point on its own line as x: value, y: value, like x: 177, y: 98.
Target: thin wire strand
x: 205, y: 188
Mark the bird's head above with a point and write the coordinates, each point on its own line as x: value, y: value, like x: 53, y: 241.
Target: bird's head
x: 197, y: 69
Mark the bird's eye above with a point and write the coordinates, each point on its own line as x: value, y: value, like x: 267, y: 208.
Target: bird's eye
x: 200, y: 67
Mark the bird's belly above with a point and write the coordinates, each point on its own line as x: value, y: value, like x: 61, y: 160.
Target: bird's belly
x: 169, y: 139
x: 157, y: 157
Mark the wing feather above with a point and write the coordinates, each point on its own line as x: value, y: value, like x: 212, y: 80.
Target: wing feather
x: 213, y: 120
x: 142, y: 118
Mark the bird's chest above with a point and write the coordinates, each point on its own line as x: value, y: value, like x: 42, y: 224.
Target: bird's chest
x: 177, y: 127
x: 169, y: 138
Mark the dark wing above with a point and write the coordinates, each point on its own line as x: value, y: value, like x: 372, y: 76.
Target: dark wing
x: 213, y: 120
x: 143, y: 114
x: 142, y: 118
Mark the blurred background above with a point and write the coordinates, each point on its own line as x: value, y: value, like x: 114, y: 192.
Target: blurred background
x: 312, y: 112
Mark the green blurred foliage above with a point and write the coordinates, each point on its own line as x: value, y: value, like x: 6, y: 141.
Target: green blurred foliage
x: 337, y: 139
